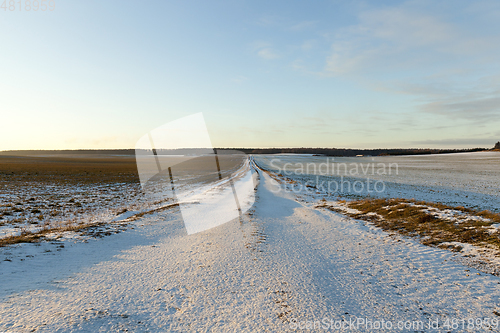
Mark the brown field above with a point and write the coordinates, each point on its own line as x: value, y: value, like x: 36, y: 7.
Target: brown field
x: 75, y: 170
x: 41, y: 195
x: 46, y: 194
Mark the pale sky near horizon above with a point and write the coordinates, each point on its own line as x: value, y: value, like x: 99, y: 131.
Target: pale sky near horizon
x: 356, y: 74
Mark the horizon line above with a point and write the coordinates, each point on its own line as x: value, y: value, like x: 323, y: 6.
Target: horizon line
x: 242, y: 148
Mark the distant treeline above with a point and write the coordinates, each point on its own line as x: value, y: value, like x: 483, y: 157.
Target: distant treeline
x: 314, y: 151
x: 352, y: 152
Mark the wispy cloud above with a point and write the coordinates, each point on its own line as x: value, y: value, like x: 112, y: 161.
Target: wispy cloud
x: 304, y: 25
x: 267, y: 53
x: 270, y: 20
x: 474, y: 109
x: 308, y: 44
x: 482, y: 142
x: 401, y: 38
x: 450, y: 70
x: 265, y: 50
x: 239, y: 79
x: 285, y: 23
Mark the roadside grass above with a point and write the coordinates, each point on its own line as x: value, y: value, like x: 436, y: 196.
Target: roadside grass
x: 27, y: 236
x: 434, y: 224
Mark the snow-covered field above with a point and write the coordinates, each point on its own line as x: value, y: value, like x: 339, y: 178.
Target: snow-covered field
x: 284, y: 265
x: 468, y: 179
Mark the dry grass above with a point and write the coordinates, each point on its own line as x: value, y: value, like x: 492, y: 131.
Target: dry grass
x: 409, y: 218
x: 35, y: 236
x: 141, y: 214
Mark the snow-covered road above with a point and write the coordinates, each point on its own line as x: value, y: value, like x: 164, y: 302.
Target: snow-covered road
x: 284, y: 264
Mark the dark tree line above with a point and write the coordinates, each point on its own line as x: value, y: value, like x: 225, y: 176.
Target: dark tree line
x: 315, y: 151
x: 350, y: 152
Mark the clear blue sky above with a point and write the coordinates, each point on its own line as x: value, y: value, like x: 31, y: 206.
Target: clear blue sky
x: 360, y: 74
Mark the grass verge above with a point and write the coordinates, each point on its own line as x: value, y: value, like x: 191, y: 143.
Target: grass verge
x: 434, y: 224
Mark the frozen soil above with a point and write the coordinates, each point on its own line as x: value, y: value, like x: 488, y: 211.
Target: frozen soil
x: 56, y: 192
x: 44, y: 196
